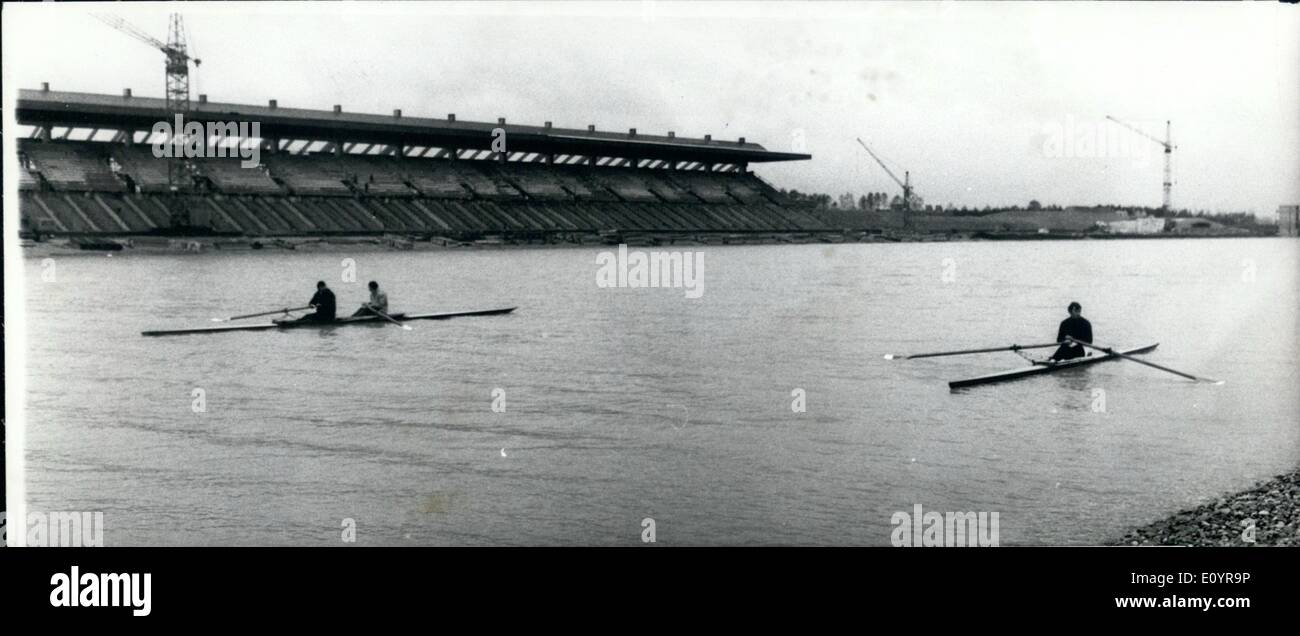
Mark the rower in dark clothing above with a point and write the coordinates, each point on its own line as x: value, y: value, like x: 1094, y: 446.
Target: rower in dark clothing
x: 323, y: 301
x: 1077, y: 327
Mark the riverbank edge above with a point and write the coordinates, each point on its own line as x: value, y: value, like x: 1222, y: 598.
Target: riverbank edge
x: 1267, y: 514
x: 397, y: 242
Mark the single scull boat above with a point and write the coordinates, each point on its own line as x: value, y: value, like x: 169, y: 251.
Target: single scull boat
x: 1045, y: 367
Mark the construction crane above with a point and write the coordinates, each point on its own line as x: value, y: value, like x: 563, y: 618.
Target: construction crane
x: 1169, y: 146
x: 177, y: 66
x: 905, y: 182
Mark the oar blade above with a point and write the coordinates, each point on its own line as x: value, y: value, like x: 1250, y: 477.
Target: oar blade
x: 1113, y: 352
x: 387, y: 317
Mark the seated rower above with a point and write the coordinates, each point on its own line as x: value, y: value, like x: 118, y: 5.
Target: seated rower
x: 323, y: 304
x: 1077, y: 327
x: 378, y: 302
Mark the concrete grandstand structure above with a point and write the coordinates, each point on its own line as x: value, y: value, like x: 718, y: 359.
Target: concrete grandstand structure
x: 88, y: 169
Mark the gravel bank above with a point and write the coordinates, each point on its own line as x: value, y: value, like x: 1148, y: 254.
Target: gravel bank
x: 1272, y: 508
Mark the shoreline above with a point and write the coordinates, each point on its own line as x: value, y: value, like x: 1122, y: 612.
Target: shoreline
x: 90, y: 245
x: 1272, y: 507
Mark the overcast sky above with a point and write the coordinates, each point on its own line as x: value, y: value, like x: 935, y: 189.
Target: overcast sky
x: 976, y: 100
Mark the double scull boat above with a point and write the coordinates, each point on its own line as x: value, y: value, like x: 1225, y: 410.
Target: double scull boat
x: 341, y: 322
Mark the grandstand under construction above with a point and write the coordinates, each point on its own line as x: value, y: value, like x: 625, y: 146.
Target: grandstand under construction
x: 89, y: 168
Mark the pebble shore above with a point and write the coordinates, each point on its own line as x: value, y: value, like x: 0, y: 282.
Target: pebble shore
x: 1272, y: 509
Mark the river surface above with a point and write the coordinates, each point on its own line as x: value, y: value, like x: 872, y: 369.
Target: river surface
x: 618, y: 405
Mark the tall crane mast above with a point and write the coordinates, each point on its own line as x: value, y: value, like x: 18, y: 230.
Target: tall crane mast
x: 905, y: 183
x: 1169, y: 146
x: 177, y: 68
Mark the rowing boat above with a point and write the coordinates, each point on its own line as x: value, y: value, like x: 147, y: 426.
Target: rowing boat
x: 1041, y: 368
x: 341, y: 322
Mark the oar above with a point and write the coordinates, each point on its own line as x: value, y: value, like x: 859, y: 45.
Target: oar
x: 264, y: 313
x: 890, y: 356
x: 1113, y: 352
x: 388, y: 318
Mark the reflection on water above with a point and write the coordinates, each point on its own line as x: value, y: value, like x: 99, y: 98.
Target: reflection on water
x: 622, y: 404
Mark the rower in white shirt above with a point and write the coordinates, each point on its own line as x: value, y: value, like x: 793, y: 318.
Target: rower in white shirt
x: 378, y: 302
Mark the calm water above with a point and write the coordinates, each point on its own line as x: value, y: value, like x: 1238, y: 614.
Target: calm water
x: 623, y: 404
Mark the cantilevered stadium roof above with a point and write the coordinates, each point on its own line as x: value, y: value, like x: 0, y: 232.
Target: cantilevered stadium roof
x: 49, y: 108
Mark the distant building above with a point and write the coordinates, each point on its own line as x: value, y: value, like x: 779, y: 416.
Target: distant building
x: 1197, y: 225
x: 1140, y: 225
x: 1288, y: 220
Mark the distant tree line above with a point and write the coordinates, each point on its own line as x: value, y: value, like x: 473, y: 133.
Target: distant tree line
x: 873, y: 201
